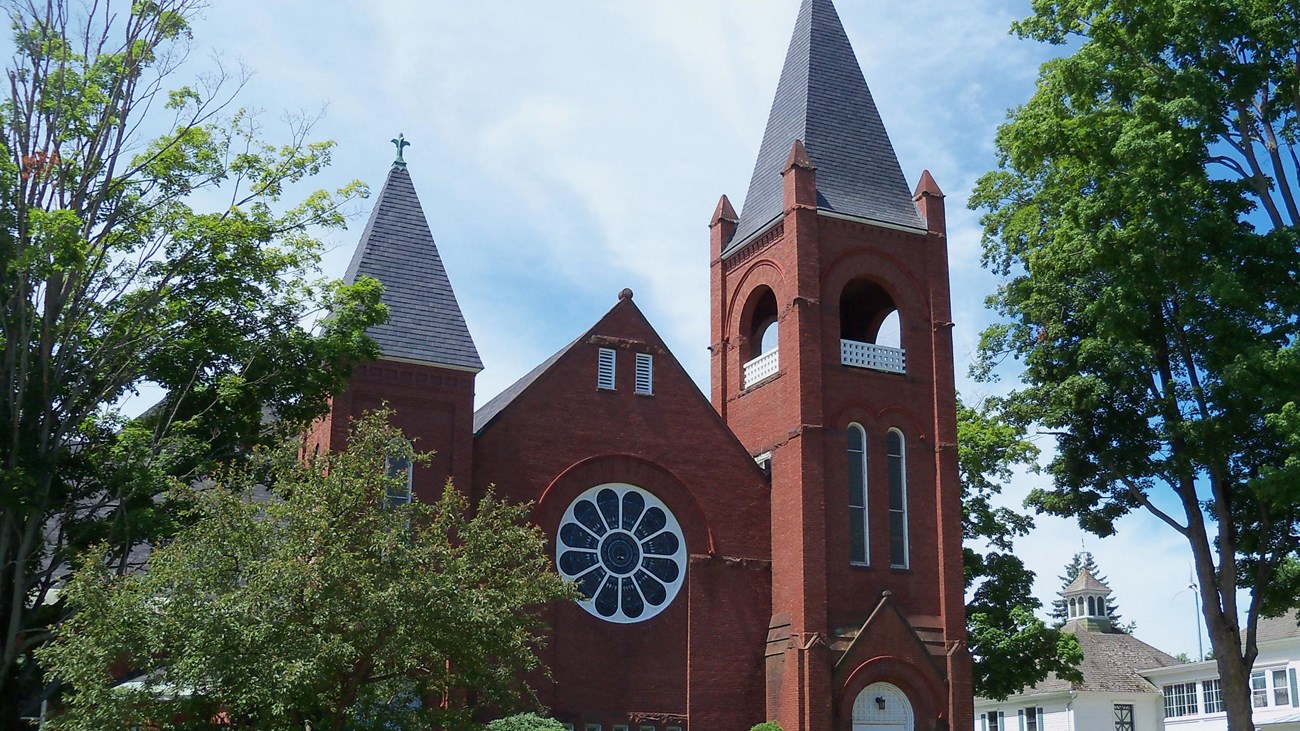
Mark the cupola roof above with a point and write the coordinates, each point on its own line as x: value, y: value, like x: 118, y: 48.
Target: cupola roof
x: 1085, y: 583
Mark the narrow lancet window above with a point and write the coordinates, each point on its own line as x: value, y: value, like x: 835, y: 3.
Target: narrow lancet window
x: 859, y: 552
x: 898, y: 557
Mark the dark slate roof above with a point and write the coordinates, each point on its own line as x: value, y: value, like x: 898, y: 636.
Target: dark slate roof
x: 424, y: 322
x: 488, y: 411
x: 1111, y: 660
x: 823, y: 99
x: 1278, y: 628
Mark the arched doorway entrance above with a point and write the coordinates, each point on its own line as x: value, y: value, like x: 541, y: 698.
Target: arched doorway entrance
x: 882, y: 707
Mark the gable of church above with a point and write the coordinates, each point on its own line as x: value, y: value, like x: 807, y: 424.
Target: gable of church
x: 656, y: 512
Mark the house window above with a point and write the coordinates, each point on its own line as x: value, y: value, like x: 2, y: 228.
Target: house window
x: 645, y: 727
x: 591, y: 726
x: 1180, y: 699
x: 897, y: 500
x: 1258, y: 689
x: 1123, y: 717
x: 645, y: 366
x: 1031, y: 718
x: 1280, y: 697
x: 857, y: 452
x: 993, y: 721
x: 619, y: 727
x: 397, y: 493
x: 1212, y: 692
x: 605, y: 360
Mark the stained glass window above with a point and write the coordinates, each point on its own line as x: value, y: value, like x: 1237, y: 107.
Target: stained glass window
x: 624, y: 549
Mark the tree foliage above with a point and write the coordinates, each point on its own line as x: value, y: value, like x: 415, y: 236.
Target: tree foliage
x: 318, y: 605
x: 525, y: 722
x: 1012, y: 648
x: 1061, y: 608
x: 1145, y: 218
x: 112, y: 277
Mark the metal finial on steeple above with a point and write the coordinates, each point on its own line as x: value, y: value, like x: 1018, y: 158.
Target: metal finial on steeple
x: 400, y: 141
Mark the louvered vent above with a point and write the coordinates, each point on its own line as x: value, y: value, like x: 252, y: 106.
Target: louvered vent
x: 645, y: 367
x: 605, y: 369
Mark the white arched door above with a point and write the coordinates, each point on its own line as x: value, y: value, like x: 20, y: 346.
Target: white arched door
x: 882, y: 707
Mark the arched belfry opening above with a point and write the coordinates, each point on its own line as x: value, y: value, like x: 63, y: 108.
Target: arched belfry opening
x: 870, y: 328
x: 760, y: 327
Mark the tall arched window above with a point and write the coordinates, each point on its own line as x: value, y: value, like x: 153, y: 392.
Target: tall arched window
x: 897, y: 499
x: 859, y: 552
x: 1072, y: 612
x: 1092, y: 606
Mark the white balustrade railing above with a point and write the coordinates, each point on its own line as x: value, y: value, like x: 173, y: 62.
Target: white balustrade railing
x: 764, y: 366
x: 870, y: 355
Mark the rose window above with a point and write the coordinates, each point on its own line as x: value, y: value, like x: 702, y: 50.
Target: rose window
x: 624, y: 549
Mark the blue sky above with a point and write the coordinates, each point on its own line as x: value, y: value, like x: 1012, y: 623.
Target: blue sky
x: 567, y: 149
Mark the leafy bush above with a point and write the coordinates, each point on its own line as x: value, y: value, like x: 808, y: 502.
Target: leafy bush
x: 525, y: 722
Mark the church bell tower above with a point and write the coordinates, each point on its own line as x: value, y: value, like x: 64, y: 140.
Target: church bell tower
x: 832, y: 362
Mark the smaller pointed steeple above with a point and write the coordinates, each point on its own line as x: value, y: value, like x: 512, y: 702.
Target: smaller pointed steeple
x: 927, y: 186
x: 425, y: 323
x: 725, y: 212
x: 929, y: 203
x: 799, y: 157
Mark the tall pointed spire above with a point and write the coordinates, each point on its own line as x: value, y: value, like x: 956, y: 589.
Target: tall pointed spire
x: 823, y: 99
x: 425, y: 323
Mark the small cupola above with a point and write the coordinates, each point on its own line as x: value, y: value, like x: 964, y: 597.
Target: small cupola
x: 1085, y: 599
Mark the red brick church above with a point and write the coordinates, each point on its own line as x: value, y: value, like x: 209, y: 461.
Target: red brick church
x: 787, y: 549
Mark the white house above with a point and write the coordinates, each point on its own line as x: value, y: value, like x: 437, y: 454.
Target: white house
x: 1191, y: 690
x: 1129, y: 685
x: 1113, y: 694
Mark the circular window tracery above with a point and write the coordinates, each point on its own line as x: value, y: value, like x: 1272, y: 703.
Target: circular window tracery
x: 624, y: 549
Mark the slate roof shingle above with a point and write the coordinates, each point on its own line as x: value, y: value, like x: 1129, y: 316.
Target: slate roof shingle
x: 823, y: 99
x: 425, y: 323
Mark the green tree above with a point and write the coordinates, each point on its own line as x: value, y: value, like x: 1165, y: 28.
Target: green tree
x: 319, y: 605
x: 1145, y: 220
x: 1061, y: 608
x: 111, y: 279
x: 1012, y: 648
